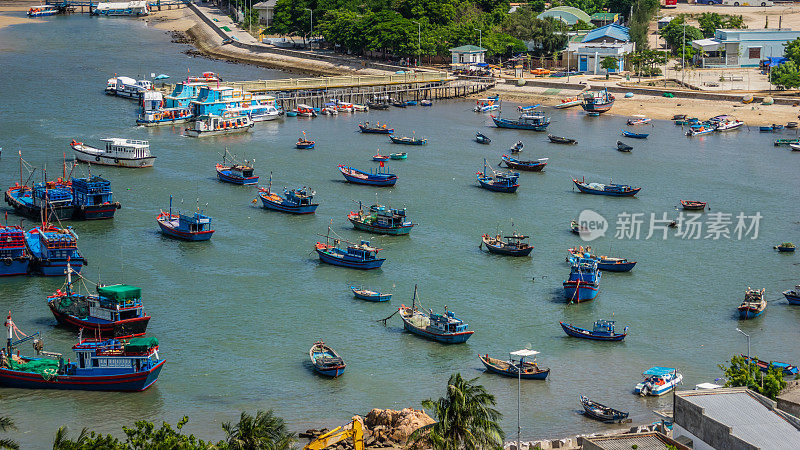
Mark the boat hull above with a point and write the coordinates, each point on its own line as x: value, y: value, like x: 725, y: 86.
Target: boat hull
x: 129, y: 382
x: 14, y: 266
x: 305, y: 146
x: 503, y: 123
x: 379, y: 229
x: 506, y: 251
x: 363, y: 265
x: 389, y: 181
x: 205, y: 133
x: 242, y: 181
x: 588, y: 190
x: 580, y: 292
x: 792, y: 297
x: 536, y: 167
x: 332, y: 373
x: 494, y: 188
x: 123, y: 328
x: 185, y: 235
x: 616, y: 267
x: 90, y: 158
x: 56, y: 267
x: 577, y: 332
x: 452, y: 338
x: 511, y: 374
x: 291, y: 209
x: 96, y: 212
x: 32, y: 211
x: 748, y: 313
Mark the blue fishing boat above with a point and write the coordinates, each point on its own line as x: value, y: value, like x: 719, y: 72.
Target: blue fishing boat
x: 753, y: 304
x: 602, y: 330
x: 377, y: 178
x: 99, y: 365
x: 304, y: 144
x: 55, y: 197
x: 154, y: 112
x: 407, y: 140
x: 325, y: 360
x: 498, y: 181
x: 602, y: 412
x: 633, y: 135
x: 535, y: 122
x: 370, y: 296
x: 444, y: 328
x: 294, y: 201
x: 480, y: 138
x: 354, y: 256
x: 526, y: 109
x: 766, y: 129
x: 236, y: 173
x: 381, y: 220
x: 52, y: 248
x: 701, y: 129
x: 597, y: 102
x: 516, y: 366
x: 785, y: 247
x: 606, y: 263
x: 378, y: 129
x: 614, y: 190
x: 92, y: 198
x: 196, y: 227
x: 514, y: 245
x: 793, y: 297
x: 528, y: 166
x: 786, y: 369
x: 584, y: 280
x: 13, y: 252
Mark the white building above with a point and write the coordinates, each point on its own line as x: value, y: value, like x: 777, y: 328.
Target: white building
x: 742, y: 48
x: 611, y: 40
x: 265, y: 11
x: 467, y: 54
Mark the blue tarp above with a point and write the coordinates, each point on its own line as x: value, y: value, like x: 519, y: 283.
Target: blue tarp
x: 775, y: 61
x: 659, y: 371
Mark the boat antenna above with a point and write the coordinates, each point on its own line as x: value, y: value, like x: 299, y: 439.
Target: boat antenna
x: 20, y: 169
x: 170, y: 207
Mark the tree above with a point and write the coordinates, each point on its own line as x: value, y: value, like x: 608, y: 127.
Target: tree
x: 792, y: 51
x: 465, y: 418
x: 143, y: 436
x: 673, y: 34
x: 609, y: 63
x: 264, y: 431
x: 786, y: 76
x: 742, y: 373
x: 6, y: 424
x: 711, y: 22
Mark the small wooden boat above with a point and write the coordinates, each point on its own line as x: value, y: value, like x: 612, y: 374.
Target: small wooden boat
x: 614, y: 190
x: 398, y: 156
x: 753, y: 304
x: 487, y: 104
x: 482, y: 139
x: 305, y: 111
x: 513, y: 245
x: 633, y: 135
x: 569, y: 102
x: 786, y: 247
x: 370, y: 296
x: 304, y: 144
x: 291, y: 113
x: 536, y: 121
x: 561, y: 140
x: 196, y: 227
x: 516, y: 367
x: 236, y: 173
x: 577, y: 228
x: 786, y: 141
x: 378, y: 105
x: 498, y: 181
x: 795, y: 147
x: 407, y: 140
x: 516, y: 148
x: 678, y: 117
x: 639, y: 119
x: 786, y: 369
x: 623, y: 147
x: 399, y: 104
x: 379, y: 129
x: 602, y: 330
x: 443, y: 328
x: 377, y: 178
x: 379, y: 157
x: 693, y: 205
x: 793, y: 297
x: 293, y: 201
x: 601, y: 412
x: 765, y: 129
x: 777, y: 127
x: 791, y: 125
x: 325, y: 360
x: 528, y: 166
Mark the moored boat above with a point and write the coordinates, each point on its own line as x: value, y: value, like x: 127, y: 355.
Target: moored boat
x: 793, y: 297
x: 325, y: 360
x: 381, y: 220
x: 236, y: 173
x: 795, y: 147
x: 658, y: 381
x: 584, y: 280
x: 487, y: 104
x: 639, y: 119
x: 127, y: 87
x: 42, y: 10
x: 728, y: 123
x: 443, y: 328
x: 398, y: 156
x: 377, y: 129
x: 480, y: 138
x: 294, y: 201
x: 569, y: 102
x: 513, y: 245
x: 370, y: 296
x: 304, y: 143
x: 498, y: 181
x: 117, y: 152
x: 701, y: 129
x: 196, y: 227
x: 614, y: 190
x: 516, y: 366
x: 153, y: 113
x: 693, y: 205
x: 377, y: 178
x: 92, y: 198
x: 597, y: 102
x: 52, y: 248
x: 407, y: 140
x: 13, y: 252
x: 53, y: 196
x: 602, y: 412
x: 577, y: 228
x: 606, y: 263
x: 561, y: 140
x: 227, y: 123
x: 536, y: 122
x: 602, y: 330
x: 633, y: 135
x: 623, y: 147
x: 786, y: 369
x: 753, y: 304
x: 528, y: 166
x: 378, y: 157
x: 787, y: 141
x: 786, y: 247
x: 354, y: 256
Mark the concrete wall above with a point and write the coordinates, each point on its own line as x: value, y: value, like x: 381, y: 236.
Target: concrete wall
x: 692, y: 418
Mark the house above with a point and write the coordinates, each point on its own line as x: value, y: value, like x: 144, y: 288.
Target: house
x: 611, y: 40
x: 467, y: 54
x: 566, y: 14
x: 733, y: 418
x: 265, y: 10
x: 604, y: 18
x: 742, y: 48
x: 645, y: 441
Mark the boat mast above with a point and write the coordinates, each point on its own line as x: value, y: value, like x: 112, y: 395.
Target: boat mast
x: 269, y: 188
x: 414, y: 299
x: 170, y: 207
x: 9, y: 325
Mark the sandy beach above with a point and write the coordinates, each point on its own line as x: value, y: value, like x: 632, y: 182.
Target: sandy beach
x: 13, y: 13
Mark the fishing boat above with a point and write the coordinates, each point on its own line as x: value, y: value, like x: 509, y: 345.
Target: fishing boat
x: 633, y: 135
x: 196, y: 227
x: 528, y: 166
x: 693, y: 205
x: 606, y: 263
x: 354, y: 256
x: 154, y: 113
x: 602, y: 330
x: 535, y: 122
x: 753, y: 304
x: 639, y: 119
x: 561, y: 140
x: 127, y: 87
x: 379, y: 157
x: 795, y: 147
x: 325, y: 360
x: 614, y: 190
x: 602, y: 412
x: 498, y: 181
x: 53, y: 196
x: 786, y: 247
x: 370, y: 296
x: 513, y: 245
x: 210, y: 125
x: 13, y: 253
x: 569, y: 102
x: 701, y: 129
x: 52, y: 248
x: 42, y: 10
x: 658, y: 381
x: 398, y: 156
x: 291, y: 113
x: 793, y: 297
x: 117, y: 152
x: 294, y: 201
x: 407, y: 140
x: 378, y: 129
x: 443, y: 328
x: 304, y: 144
x: 381, y: 220
x: 92, y: 198
x: 482, y: 139
x: 516, y: 366
x: 305, y: 111
x: 729, y: 123
x: 425, y: 102
x: 584, y: 280
x: 116, y: 311
x: 378, y: 105
x: 236, y: 173
x: 516, y: 148
x: 100, y: 365
x: 623, y: 147
x: 486, y: 104
x: 377, y: 178
x: 786, y: 369
x: 597, y: 102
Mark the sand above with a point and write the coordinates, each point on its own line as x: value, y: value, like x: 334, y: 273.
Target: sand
x: 13, y: 13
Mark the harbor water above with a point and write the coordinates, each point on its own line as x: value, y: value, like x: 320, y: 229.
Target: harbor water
x: 236, y: 316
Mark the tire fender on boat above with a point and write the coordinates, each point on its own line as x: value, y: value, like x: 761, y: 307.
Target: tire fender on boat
x: 7, y: 261
x: 97, y: 158
x: 116, y: 161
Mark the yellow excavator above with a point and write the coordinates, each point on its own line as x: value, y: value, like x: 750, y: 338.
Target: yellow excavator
x: 354, y: 429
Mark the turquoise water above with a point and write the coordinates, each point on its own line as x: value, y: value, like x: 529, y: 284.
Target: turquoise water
x: 236, y: 316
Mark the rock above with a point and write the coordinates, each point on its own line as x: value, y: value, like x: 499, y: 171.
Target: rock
x: 396, y: 426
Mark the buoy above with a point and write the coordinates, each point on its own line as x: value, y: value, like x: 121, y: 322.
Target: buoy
x: 767, y: 101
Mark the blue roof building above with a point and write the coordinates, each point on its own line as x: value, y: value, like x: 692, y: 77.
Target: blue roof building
x: 612, y: 32
x: 612, y: 40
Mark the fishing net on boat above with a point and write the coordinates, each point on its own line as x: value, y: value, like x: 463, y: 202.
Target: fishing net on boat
x: 141, y: 345
x: 74, y: 306
x: 47, y: 368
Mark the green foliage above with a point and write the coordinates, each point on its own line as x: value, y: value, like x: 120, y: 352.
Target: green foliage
x: 792, y: 51
x: 710, y: 22
x: 740, y: 373
x: 609, y: 63
x: 581, y: 25
x: 7, y: 424
x: 673, y: 34
x: 290, y: 17
x: 786, y: 76
x: 549, y: 34
x: 264, y: 431
x: 466, y: 418
x: 645, y: 62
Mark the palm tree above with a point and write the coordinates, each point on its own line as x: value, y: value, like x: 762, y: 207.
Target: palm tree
x: 264, y: 431
x: 62, y: 442
x: 466, y: 418
x: 7, y: 424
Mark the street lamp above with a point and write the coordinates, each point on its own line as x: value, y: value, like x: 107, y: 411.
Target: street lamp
x: 480, y: 37
x: 521, y: 354
x: 748, y: 344
x: 419, y: 41
x: 311, y: 36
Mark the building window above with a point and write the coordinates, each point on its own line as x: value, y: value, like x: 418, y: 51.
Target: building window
x: 754, y: 52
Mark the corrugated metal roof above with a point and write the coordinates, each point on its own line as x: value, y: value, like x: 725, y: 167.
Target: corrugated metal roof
x: 626, y: 442
x: 748, y: 418
x: 570, y: 15
x: 468, y: 49
x: 612, y: 30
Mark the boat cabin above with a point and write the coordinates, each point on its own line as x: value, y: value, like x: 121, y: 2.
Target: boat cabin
x: 182, y: 95
x: 217, y: 100
x: 362, y: 251
x: 54, y: 194
x: 533, y: 119
x: 127, y: 148
x: 300, y: 197
x: 114, y: 357
x: 93, y: 190
x: 116, y: 302
x: 387, y: 217
x: 604, y: 326
x: 195, y: 223
x: 447, y: 323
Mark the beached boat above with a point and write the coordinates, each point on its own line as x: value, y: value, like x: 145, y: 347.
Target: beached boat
x: 100, y: 365
x: 639, y: 119
x: 378, y: 129
x: 785, y: 247
x: 13, y: 252
x: 51, y: 249
x: 229, y: 122
x: 535, y: 122
x: 516, y: 366
x: 753, y: 304
x: 658, y: 381
x: 116, y: 311
x: 633, y: 135
x: 561, y: 140
x: 791, y: 125
x: 354, y: 256
x: 325, y: 360
x: 584, y: 280
x: 42, y: 10
x: 482, y: 139
x: 792, y: 296
x: 407, y: 140
x: 236, y: 173
x: 196, y: 227
x: 513, y: 245
x: 528, y: 166
x: 602, y: 330
x: 443, y: 328
x: 693, y: 205
x: 377, y: 178
x: 614, y: 190
x: 398, y: 156
x: 786, y: 369
x: 293, y: 201
x: 117, y: 152
x: 701, y: 129
x: 497, y: 181
x: 602, y: 412
x: 597, y: 102
x: 127, y: 87
x: 381, y: 220
x: 623, y: 147
x: 486, y: 104
x: 370, y: 296
x: 678, y: 117
x: 569, y: 102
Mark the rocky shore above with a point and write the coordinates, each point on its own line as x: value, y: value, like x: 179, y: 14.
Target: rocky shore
x: 383, y: 428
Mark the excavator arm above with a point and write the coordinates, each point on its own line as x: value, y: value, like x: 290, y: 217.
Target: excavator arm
x: 354, y: 429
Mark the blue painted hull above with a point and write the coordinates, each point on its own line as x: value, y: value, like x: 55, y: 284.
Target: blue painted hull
x: 792, y: 298
x: 746, y: 314
x: 495, y: 188
x: 580, y: 293
x: 505, y: 123
x: 582, y: 333
x: 184, y: 235
x: 128, y: 382
x: 288, y: 207
x: 236, y: 180
x: 612, y: 267
x: 635, y: 135
x: 390, y: 181
x: 333, y: 373
x: 371, y: 298
x: 587, y: 190
x: 96, y: 212
x: 364, y: 265
x: 305, y: 146
x: 56, y: 267
x: 381, y: 230
x: 512, y: 374
x: 451, y: 338
x: 14, y: 266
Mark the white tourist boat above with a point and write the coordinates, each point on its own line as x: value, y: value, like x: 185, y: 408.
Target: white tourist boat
x: 229, y: 122
x: 42, y: 10
x: 153, y: 113
x: 117, y: 152
x: 127, y: 87
x: 134, y: 8
x: 658, y: 381
x: 729, y: 123
x: 260, y: 110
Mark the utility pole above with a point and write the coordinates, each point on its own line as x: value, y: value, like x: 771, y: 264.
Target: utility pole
x: 748, y: 344
x: 480, y: 37
x: 683, y: 52
x: 419, y: 41
x: 311, y: 36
